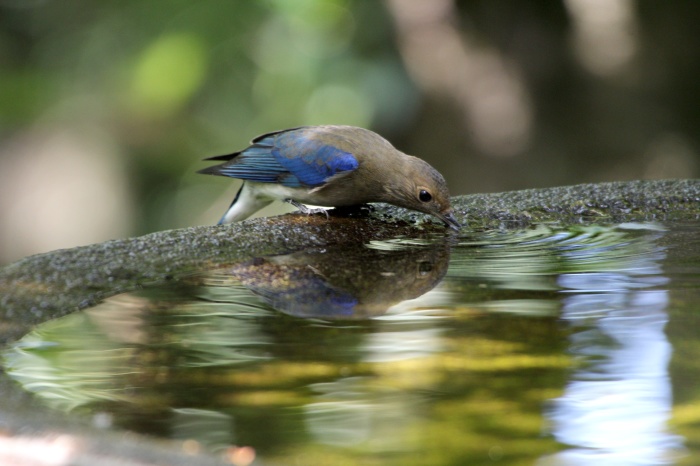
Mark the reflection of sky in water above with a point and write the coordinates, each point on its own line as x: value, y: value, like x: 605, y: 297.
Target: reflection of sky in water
x: 615, y: 408
x: 400, y: 345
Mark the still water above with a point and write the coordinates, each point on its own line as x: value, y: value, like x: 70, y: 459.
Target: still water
x: 536, y: 347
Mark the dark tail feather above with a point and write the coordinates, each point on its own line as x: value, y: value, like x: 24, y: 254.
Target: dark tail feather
x: 213, y: 170
x: 216, y: 169
x: 223, y: 157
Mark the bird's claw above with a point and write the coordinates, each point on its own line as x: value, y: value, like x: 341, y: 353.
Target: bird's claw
x: 307, y: 210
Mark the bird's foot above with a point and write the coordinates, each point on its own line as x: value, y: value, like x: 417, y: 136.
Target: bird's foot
x: 306, y: 210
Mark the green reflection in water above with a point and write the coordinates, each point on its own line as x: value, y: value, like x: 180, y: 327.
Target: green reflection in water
x: 439, y: 352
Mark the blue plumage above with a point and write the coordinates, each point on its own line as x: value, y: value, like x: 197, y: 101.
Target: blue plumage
x: 290, y: 159
x: 330, y: 166
x: 315, y: 164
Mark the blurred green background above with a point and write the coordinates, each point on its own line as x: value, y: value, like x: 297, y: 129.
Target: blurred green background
x: 107, y: 108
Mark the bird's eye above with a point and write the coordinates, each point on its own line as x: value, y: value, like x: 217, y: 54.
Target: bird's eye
x: 424, y: 196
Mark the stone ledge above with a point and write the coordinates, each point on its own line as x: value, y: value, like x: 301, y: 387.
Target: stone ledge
x: 49, y: 285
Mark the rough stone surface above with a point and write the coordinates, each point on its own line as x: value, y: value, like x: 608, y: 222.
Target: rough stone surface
x: 49, y: 285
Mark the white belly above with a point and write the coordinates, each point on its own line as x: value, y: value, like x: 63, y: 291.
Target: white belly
x: 254, y: 196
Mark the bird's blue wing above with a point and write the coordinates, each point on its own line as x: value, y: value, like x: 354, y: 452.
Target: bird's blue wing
x: 289, y: 158
x: 311, y: 161
x: 255, y: 163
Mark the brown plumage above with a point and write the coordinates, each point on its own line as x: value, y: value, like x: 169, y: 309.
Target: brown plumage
x: 331, y: 166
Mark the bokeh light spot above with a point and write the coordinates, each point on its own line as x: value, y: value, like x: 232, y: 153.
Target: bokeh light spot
x: 339, y: 105
x: 167, y: 73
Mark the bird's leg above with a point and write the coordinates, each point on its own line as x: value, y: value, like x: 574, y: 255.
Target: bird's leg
x: 305, y: 210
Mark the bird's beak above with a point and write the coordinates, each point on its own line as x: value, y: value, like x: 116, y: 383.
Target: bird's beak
x: 450, y: 220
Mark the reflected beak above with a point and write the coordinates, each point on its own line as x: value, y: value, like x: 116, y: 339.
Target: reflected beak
x: 450, y: 220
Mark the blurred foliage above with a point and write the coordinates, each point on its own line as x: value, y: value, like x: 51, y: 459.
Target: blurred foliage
x: 497, y: 95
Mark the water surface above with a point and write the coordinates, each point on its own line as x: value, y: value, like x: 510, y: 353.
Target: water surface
x: 538, y: 346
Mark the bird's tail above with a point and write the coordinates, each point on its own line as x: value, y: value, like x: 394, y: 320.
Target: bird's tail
x: 216, y: 169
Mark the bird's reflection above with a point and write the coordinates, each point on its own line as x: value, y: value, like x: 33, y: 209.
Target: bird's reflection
x: 344, y: 282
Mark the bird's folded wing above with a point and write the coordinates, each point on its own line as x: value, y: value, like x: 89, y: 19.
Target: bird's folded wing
x: 286, y: 158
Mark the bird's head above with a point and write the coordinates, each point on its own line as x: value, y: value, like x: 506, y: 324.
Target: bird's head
x: 423, y: 188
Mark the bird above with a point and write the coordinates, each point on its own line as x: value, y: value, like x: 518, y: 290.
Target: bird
x: 331, y: 166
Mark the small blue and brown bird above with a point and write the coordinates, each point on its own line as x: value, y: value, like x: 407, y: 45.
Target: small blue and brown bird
x: 331, y: 166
